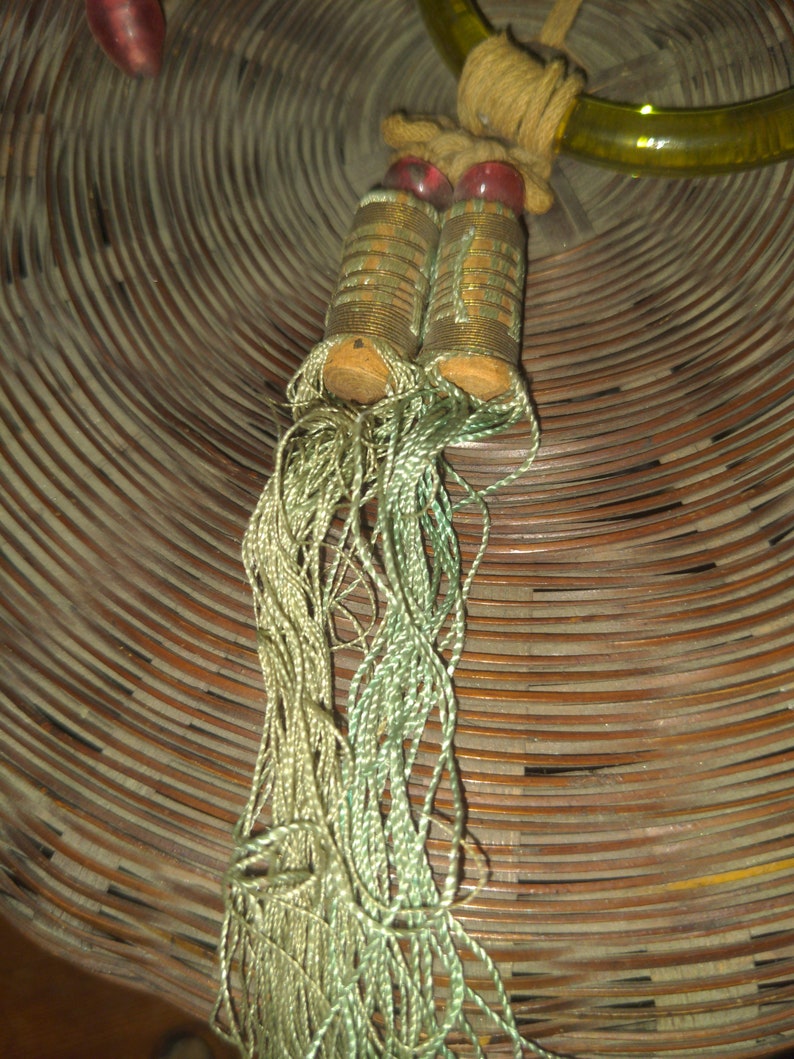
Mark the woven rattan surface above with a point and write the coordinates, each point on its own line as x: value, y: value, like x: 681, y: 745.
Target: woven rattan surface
x: 626, y: 726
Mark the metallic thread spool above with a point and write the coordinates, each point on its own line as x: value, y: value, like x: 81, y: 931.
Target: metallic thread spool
x: 473, y: 321
x: 377, y: 309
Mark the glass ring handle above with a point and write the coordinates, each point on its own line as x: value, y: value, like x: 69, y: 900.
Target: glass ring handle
x: 639, y: 138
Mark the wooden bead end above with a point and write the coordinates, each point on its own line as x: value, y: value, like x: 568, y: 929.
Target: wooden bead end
x: 481, y: 376
x: 355, y: 371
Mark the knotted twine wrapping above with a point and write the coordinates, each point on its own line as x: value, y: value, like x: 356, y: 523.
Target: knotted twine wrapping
x: 342, y: 893
x: 510, y: 107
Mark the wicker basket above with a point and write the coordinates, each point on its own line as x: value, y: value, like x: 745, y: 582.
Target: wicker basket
x: 626, y: 728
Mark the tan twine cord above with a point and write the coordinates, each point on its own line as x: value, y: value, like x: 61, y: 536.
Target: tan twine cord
x: 558, y: 22
x: 510, y: 105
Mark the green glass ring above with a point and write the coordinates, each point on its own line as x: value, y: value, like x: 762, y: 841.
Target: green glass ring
x: 639, y: 138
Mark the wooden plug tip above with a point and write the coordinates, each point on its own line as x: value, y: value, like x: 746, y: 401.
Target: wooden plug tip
x: 355, y: 371
x: 479, y: 375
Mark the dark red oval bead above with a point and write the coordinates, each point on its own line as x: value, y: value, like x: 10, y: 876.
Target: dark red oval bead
x: 421, y: 178
x: 130, y: 32
x: 495, y: 182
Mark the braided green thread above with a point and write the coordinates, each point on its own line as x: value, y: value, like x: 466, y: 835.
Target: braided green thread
x: 338, y: 921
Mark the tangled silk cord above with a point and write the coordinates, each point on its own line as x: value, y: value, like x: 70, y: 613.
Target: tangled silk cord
x: 339, y: 924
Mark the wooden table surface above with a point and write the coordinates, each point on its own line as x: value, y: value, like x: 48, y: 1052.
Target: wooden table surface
x: 50, y: 1009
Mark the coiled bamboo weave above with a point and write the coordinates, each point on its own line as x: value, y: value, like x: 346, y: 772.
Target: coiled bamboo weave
x: 626, y: 730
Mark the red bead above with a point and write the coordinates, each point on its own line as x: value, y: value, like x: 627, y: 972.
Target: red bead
x: 495, y: 182
x: 421, y: 179
x: 130, y: 32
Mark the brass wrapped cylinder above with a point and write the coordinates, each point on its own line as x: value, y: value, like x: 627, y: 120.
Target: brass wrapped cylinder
x: 377, y: 309
x: 474, y: 317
